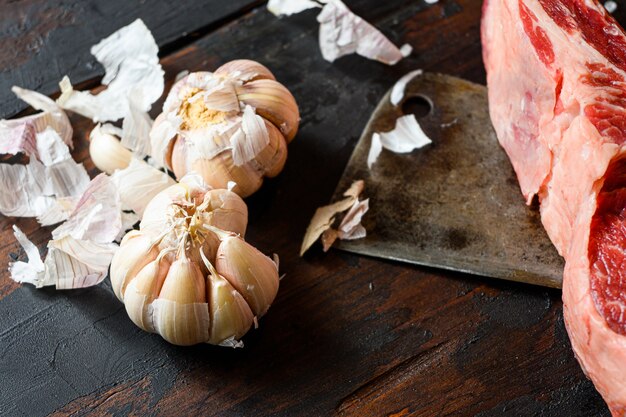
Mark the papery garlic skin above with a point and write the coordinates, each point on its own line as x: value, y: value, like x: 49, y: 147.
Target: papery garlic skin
x: 230, y: 125
x: 188, y: 274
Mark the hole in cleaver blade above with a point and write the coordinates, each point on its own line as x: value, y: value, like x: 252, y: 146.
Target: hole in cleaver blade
x: 454, y: 204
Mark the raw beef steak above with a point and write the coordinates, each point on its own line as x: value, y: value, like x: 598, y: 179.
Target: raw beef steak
x: 556, y: 72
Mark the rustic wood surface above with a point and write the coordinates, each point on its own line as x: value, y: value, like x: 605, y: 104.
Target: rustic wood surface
x: 347, y: 335
x: 43, y: 40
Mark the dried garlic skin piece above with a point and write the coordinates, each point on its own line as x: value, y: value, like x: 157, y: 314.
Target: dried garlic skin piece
x: 188, y: 274
x: 350, y: 227
x: 230, y: 125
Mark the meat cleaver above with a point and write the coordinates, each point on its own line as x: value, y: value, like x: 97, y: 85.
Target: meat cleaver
x: 454, y: 204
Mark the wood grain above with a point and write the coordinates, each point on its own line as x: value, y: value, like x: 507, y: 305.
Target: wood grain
x: 41, y: 40
x: 347, y: 335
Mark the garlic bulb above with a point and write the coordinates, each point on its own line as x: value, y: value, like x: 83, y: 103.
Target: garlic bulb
x: 188, y: 274
x: 230, y: 125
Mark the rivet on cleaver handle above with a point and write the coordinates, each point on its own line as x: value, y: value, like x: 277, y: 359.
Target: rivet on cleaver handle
x: 454, y: 204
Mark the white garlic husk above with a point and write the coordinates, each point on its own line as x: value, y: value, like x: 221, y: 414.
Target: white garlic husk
x: 106, y: 150
x: 230, y: 125
x: 188, y: 273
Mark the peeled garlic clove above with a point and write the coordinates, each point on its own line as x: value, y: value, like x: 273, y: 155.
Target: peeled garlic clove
x: 245, y: 70
x: 231, y: 316
x: 253, y: 274
x: 143, y: 289
x: 221, y: 170
x: 107, y: 152
x: 273, y: 157
x: 273, y: 102
x: 226, y: 210
x: 136, y: 251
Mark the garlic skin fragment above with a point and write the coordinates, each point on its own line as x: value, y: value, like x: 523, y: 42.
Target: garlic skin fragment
x: 106, y: 151
x: 138, y: 183
x: 131, y: 63
x: 404, y: 138
x: 324, y: 217
x: 289, y: 7
x: 230, y: 125
x: 32, y: 190
x: 81, y: 249
x: 19, y: 135
x: 350, y: 227
x: 342, y: 33
x: 397, y: 91
x: 188, y: 274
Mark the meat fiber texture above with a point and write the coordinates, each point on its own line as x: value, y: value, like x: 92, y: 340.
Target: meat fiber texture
x: 556, y: 72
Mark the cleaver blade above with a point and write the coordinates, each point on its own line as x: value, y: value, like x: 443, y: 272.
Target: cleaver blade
x: 454, y: 204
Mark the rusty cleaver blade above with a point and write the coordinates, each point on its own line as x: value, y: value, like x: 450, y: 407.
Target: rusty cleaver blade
x: 454, y: 204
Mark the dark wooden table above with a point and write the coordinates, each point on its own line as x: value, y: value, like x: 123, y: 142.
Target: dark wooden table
x: 347, y: 335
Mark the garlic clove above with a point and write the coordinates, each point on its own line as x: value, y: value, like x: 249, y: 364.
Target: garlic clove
x: 253, y: 274
x: 231, y: 316
x: 225, y: 210
x: 184, y: 282
x: 273, y: 157
x: 245, y: 70
x: 181, y: 324
x: 180, y: 313
x: 136, y: 251
x: 274, y: 102
x: 162, y: 140
x: 178, y: 157
x: 107, y: 152
x: 207, y: 243
x: 221, y: 169
x: 143, y: 289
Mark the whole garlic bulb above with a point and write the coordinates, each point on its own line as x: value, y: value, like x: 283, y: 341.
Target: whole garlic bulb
x: 230, y: 125
x: 188, y: 274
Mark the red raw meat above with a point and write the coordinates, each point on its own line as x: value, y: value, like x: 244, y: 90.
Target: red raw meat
x: 556, y: 72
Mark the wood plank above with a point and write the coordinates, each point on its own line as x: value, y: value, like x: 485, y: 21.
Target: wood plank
x: 347, y: 335
x: 41, y: 41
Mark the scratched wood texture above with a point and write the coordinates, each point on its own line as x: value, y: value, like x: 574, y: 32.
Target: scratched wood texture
x: 42, y: 40
x: 347, y: 335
